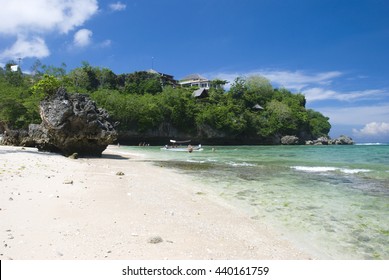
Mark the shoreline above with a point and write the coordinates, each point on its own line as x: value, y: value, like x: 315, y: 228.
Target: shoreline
x: 54, y: 208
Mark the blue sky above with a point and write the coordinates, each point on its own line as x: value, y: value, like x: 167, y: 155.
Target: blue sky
x: 336, y: 52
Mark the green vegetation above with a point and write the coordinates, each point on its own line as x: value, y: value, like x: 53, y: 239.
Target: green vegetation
x: 18, y: 107
x: 144, y: 101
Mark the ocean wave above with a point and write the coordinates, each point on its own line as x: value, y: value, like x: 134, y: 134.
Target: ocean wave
x: 354, y: 171
x: 323, y: 169
x: 195, y: 161
x: 372, y: 144
x: 240, y: 164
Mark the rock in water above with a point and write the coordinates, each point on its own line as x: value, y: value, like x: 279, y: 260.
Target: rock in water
x: 72, y: 123
x: 290, y: 140
x: 343, y: 140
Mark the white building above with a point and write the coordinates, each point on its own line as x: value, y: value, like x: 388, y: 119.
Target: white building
x: 14, y: 68
x: 195, y: 80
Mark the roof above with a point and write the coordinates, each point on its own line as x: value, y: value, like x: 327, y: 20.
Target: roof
x: 194, y: 77
x: 152, y: 71
x: 200, y: 92
x: 257, y: 107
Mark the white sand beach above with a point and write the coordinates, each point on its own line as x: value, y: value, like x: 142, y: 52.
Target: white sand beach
x: 53, y: 207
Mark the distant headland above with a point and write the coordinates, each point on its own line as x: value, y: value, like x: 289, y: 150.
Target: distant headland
x: 153, y: 107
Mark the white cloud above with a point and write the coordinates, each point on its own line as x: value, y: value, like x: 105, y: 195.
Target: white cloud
x: 316, y: 94
x: 32, y: 20
x: 230, y: 77
x: 356, y: 115
x: 20, y: 16
x: 35, y: 47
x: 106, y: 44
x: 298, y: 80
x: 82, y: 38
x: 373, y: 129
x: 118, y: 6
x: 293, y: 80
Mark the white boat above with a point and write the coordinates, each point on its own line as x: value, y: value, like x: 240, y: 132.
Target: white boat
x: 182, y: 146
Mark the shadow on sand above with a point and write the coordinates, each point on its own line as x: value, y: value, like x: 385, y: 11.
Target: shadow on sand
x: 36, y: 152
x: 118, y: 157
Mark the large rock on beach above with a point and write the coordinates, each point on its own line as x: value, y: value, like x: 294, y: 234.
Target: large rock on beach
x: 72, y: 123
x: 13, y: 137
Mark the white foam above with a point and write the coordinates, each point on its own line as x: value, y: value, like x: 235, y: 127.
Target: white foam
x: 240, y: 164
x: 353, y: 171
x: 314, y: 168
x: 371, y: 144
x: 322, y: 169
x: 195, y: 161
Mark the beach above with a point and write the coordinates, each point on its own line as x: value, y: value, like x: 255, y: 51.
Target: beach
x: 121, y: 207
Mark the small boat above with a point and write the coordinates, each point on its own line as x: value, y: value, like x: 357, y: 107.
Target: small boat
x: 182, y: 146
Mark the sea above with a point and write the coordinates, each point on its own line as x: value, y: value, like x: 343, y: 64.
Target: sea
x: 332, y: 201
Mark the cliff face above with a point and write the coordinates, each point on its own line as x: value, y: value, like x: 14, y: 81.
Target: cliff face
x: 209, y: 136
x: 204, y: 135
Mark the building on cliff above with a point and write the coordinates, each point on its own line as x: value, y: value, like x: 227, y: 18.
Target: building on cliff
x: 166, y: 79
x: 195, y: 80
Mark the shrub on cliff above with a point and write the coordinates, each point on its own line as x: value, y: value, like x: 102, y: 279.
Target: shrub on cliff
x: 46, y: 87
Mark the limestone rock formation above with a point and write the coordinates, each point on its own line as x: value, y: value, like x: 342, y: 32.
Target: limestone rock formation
x: 72, y: 124
x: 13, y: 137
x: 341, y: 140
x: 290, y: 140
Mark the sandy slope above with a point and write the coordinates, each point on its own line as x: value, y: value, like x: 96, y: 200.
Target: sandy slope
x: 53, y: 207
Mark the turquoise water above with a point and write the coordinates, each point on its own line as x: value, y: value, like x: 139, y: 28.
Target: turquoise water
x: 331, y: 200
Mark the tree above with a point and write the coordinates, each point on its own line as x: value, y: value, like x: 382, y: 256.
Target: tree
x: 78, y: 79
x: 318, y: 124
x: 13, y: 77
x: 11, y: 113
x: 218, y: 84
x: 38, y: 70
x: 280, y: 118
x: 151, y: 86
x: 178, y: 107
x: 107, y: 78
x: 259, y: 90
x: 58, y: 72
x: 92, y: 81
x: 142, y: 82
x: 238, y: 88
x: 46, y: 87
x: 84, y: 78
x: 258, y: 84
x: 12, y: 110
